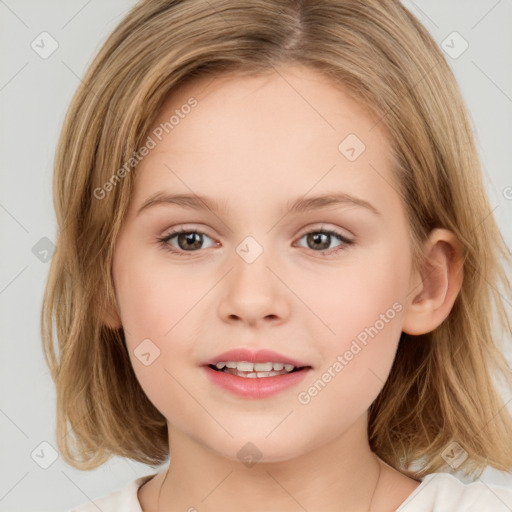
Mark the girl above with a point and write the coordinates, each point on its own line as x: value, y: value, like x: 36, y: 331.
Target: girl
x: 276, y: 265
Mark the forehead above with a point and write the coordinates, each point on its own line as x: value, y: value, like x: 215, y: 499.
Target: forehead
x: 291, y: 129
x: 292, y: 92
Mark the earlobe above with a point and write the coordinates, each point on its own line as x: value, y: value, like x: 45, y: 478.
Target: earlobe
x: 433, y: 293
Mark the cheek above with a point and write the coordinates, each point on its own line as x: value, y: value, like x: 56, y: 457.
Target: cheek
x: 155, y: 305
x: 154, y: 294
x: 354, y: 296
x: 157, y: 301
x: 361, y: 313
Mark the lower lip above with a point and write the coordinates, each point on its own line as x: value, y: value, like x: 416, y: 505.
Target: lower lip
x: 259, y: 387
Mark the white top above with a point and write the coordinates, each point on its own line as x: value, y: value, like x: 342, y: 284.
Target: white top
x: 437, y: 492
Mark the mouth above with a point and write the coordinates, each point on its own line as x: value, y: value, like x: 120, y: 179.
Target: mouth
x: 251, y: 370
x: 255, y: 374
x: 255, y: 383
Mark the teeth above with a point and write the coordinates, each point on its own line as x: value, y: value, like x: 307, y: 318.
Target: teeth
x: 254, y: 375
x: 262, y: 367
x: 245, y: 366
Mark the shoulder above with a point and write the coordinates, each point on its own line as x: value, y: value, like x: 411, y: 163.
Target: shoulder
x: 441, y: 492
x: 124, y: 499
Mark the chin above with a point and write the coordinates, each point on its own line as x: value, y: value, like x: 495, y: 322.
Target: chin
x: 250, y: 450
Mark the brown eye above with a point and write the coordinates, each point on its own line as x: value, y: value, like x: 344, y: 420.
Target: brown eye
x: 320, y: 240
x: 187, y: 240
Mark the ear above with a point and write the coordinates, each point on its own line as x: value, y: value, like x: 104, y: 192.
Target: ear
x: 436, y: 287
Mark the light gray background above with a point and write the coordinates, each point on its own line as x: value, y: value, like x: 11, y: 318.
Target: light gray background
x: 34, y: 95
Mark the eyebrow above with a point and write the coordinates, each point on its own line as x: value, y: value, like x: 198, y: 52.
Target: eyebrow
x: 300, y: 205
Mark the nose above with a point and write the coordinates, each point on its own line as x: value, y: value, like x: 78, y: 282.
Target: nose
x: 254, y: 293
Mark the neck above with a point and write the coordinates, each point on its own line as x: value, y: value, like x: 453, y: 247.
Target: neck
x: 339, y: 475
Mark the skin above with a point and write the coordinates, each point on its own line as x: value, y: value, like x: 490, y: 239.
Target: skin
x: 255, y: 143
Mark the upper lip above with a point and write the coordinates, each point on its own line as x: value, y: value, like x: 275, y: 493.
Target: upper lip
x: 251, y: 356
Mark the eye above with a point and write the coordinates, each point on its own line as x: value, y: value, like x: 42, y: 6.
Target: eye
x: 320, y: 240
x: 188, y: 240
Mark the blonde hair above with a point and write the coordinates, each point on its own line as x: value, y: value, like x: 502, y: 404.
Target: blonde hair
x: 440, y: 388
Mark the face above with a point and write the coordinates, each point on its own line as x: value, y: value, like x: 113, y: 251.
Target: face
x: 325, y: 284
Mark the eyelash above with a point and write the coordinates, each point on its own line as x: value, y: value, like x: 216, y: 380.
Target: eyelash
x: 164, y: 241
